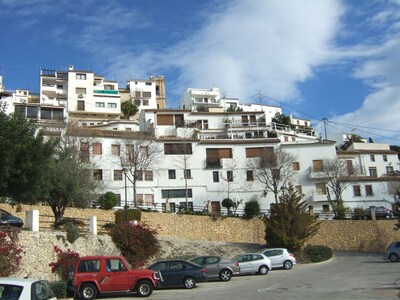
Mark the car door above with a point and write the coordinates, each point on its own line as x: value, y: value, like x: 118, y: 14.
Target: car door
x: 212, y: 265
x: 275, y: 255
x: 162, y: 267
x: 245, y: 263
x: 117, y: 276
x: 175, y: 273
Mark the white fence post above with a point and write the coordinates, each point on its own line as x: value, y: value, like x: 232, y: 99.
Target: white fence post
x: 32, y: 220
x: 93, y: 225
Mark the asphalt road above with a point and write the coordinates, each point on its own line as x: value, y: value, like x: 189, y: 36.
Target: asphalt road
x: 346, y: 276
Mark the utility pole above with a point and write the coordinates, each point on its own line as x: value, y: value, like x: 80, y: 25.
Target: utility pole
x: 325, y: 120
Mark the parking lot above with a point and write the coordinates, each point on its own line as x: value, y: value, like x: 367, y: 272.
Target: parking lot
x: 346, y: 276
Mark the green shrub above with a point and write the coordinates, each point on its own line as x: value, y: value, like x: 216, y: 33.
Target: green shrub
x: 359, y: 213
x: 66, y: 261
x: 76, y: 222
x: 317, y: 253
x: 251, y: 209
x: 108, y: 200
x: 136, y: 242
x: 10, y: 252
x: 59, y: 288
x: 72, y: 232
x: 133, y: 215
x: 228, y: 204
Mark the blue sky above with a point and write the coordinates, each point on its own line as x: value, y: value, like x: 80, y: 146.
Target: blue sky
x: 331, y: 59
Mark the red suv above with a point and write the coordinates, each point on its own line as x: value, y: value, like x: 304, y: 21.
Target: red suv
x: 112, y: 275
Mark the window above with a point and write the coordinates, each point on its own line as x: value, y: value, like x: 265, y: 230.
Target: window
x: 100, y: 104
x: 144, y: 151
x: 117, y: 175
x: 145, y: 102
x: 179, y: 193
x: 148, y: 83
x: 81, y: 76
x: 182, y: 206
x: 92, y: 265
x: 219, y: 153
x: 259, y: 152
x: 298, y: 189
x: 318, y: 165
x: 215, y: 176
x: 97, y: 149
x: 171, y: 174
x: 296, y: 166
x: 139, y: 175
x: 112, y: 105
x: 372, y: 172
x: 80, y: 90
x: 229, y: 176
x: 108, y: 87
x: 98, y: 174
x: 249, y: 175
x: 384, y: 156
x: 146, y: 94
x: 350, y: 169
x: 320, y: 188
x: 389, y: 170
x: 187, y: 174
x: 115, y: 150
x: 372, y: 157
x: 148, y: 175
x: 357, y: 191
x: 177, y: 148
x: 84, y: 152
x: 81, y: 105
x: 368, y: 190
x: 325, y: 208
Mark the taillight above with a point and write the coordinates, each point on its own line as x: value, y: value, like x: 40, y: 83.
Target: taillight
x: 203, y: 270
x: 236, y: 264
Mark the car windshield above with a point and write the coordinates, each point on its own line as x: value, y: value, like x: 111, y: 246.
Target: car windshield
x: 236, y: 258
x: 10, y: 292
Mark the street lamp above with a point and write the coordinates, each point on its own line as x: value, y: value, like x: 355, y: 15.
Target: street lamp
x: 125, y: 170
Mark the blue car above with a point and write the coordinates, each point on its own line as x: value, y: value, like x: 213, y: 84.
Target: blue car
x: 178, y: 272
x: 8, y: 219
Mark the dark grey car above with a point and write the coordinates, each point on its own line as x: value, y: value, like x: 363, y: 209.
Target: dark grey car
x: 8, y: 219
x: 217, y: 267
x: 393, y: 251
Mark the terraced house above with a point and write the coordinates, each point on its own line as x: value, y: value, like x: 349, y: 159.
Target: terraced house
x: 208, y: 149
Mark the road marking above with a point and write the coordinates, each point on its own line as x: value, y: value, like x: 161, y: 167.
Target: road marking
x: 259, y: 291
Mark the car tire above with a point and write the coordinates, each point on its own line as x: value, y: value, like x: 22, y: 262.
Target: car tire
x: 287, y: 265
x: 263, y: 270
x: 189, y: 282
x: 225, y: 275
x: 394, y: 257
x: 88, y: 291
x: 144, y: 288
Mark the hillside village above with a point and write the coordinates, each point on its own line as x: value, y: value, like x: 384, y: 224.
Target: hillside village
x: 209, y: 149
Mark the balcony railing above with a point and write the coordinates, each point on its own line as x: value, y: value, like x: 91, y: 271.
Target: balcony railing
x: 106, y: 92
x: 213, y: 163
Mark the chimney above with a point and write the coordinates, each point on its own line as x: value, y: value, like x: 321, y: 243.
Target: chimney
x: 71, y: 68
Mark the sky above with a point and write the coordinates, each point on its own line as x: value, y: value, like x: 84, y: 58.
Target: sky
x: 337, y: 60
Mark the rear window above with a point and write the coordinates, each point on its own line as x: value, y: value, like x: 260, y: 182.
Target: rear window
x: 41, y: 291
x: 10, y: 292
x: 89, y: 266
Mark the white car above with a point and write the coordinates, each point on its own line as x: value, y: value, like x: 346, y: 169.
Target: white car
x: 25, y: 289
x: 280, y: 257
x: 251, y: 263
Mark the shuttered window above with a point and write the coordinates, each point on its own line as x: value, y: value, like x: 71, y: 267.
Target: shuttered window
x: 259, y: 152
x: 97, y: 149
x: 178, y: 148
x: 165, y: 119
x: 318, y: 166
x: 219, y: 153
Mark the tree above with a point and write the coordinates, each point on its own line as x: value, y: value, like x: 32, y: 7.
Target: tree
x: 69, y: 180
x: 336, y: 175
x: 129, y: 109
x: 353, y: 138
x: 25, y: 155
x: 274, y: 169
x: 281, y: 119
x: 228, y: 204
x: 288, y: 224
x: 108, y: 200
x: 138, y: 156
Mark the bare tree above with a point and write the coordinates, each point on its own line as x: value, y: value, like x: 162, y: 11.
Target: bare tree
x: 274, y: 169
x: 336, y: 174
x: 138, y: 154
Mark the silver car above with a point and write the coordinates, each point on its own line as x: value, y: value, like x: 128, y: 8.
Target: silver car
x: 251, y: 263
x: 393, y: 251
x: 217, y: 267
x: 280, y: 258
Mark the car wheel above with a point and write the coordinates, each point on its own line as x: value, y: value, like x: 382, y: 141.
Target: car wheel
x: 263, y: 270
x: 394, y: 257
x: 287, y: 265
x: 225, y: 275
x: 88, y: 291
x: 189, y: 282
x: 144, y: 288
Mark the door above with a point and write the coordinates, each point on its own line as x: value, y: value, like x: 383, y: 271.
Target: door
x: 216, y: 206
x: 212, y: 266
x: 276, y: 257
x: 117, y: 276
x: 245, y: 263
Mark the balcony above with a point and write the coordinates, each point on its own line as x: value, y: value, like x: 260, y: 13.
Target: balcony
x: 106, y: 92
x: 316, y: 173
x: 213, y: 163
